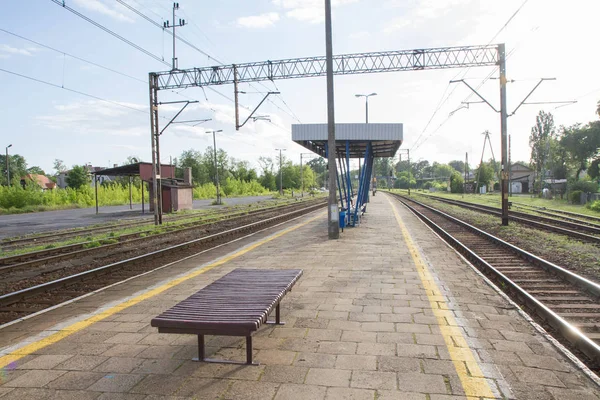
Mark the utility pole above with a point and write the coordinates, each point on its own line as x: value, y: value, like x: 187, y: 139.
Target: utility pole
x: 167, y: 25
x: 280, y: 172
x: 216, y: 165
x: 409, y: 167
x: 8, y: 166
x: 302, y: 173
x: 504, y: 132
x: 333, y: 215
x: 466, y: 173
x: 509, y: 168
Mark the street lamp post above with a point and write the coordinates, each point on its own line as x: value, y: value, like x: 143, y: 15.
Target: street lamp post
x: 366, y: 96
x: 216, y: 165
x: 7, y: 166
x: 280, y: 173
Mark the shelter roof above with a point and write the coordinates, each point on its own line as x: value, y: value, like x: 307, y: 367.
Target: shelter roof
x: 386, y: 139
x: 143, y: 169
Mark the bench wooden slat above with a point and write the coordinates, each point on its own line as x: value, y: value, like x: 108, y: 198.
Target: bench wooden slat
x: 237, y: 304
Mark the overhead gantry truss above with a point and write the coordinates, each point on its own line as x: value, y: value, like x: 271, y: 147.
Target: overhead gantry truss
x: 345, y: 64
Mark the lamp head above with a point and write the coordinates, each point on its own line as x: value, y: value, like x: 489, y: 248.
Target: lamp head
x: 9, y: 146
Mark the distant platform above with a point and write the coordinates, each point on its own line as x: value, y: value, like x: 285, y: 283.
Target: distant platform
x: 385, y: 139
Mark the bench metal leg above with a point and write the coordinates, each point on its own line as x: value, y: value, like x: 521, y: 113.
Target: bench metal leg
x: 249, y: 350
x: 201, y: 347
x: 278, y: 320
x: 202, y: 358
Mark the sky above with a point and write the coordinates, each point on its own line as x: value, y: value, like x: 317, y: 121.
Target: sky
x: 97, y: 109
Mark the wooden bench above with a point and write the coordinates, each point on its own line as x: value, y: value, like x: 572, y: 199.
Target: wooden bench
x: 235, y: 305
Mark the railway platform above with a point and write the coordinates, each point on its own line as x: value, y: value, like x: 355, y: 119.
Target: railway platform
x: 386, y: 312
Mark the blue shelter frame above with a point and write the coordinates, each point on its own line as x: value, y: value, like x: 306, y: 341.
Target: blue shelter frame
x: 363, y: 141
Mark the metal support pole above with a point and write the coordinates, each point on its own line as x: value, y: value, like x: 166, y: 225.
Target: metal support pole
x: 333, y: 227
x: 504, y: 130
x: 216, y: 169
x: 130, y: 197
x: 409, y: 170
x: 96, y: 191
x: 367, y: 109
x: 348, y: 177
x: 236, y: 98
x: 142, y: 187
x: 301, y: 178
x: 466, y: 173
x: 7, y: 167
x: 510, y: 169
x: 153, y: 81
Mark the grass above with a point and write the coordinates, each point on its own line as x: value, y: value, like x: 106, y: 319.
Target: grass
x: 580, y: 257
x: 493, y: 199
x: 195, y: 216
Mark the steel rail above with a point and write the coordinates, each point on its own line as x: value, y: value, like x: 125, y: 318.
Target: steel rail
x: 525, y: 218
x: 123, y: 240
x: 555, y: 211
x: 14, y: 297
x: 567, y: 330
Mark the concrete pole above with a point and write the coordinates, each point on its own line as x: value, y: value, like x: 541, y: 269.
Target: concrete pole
x: 280, y: 174
x: 216, y: 168
x: 333, y: 215
x: 301, y: 178
x: 504, y: 130
x: 7, y: 167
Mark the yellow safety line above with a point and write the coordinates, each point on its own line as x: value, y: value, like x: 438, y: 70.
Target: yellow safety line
x: 467, y: 368
x: 78, y: 326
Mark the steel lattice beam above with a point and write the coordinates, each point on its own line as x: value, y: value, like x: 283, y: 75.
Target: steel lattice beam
x: 347, y: 64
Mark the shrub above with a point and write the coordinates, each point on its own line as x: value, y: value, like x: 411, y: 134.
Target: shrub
x: 575, y: 196
x: 594, y: 206
x: 584, y: 186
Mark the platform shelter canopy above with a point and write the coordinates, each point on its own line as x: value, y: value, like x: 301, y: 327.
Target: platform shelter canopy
x: 385, y: 139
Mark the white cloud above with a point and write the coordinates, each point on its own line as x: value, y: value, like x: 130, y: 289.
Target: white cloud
x: 311, y: 11
x: 258, y: 21
x: 95, y: 117
x: 103, y: 8
x: 6, y: 51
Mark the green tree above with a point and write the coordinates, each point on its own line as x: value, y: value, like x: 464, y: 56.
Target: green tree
x: 457, y: 182
x: 267, y: 178
x: 17, y: 167
x: 59, y: 166
x: 485, y: 174
x: 78, y: 176
x: 35, y: 170
x: 539, y: 141
x: 458, y: 165
x: 580, y: 143
x: 598, y: 109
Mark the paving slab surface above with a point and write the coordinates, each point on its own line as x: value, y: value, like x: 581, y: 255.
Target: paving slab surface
x: 386, y: 312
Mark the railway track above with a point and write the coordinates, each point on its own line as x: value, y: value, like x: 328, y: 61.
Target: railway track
x: 21, y: 303
x: 568, y: 215
x: 585, y: 232
x: 47, y: 268
x: 39, y: 239
x: 40, y: 257
x: 563, y: 301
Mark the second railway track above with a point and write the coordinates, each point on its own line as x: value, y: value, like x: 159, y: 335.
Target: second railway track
x: 563, y: 301
x: 33, y: 299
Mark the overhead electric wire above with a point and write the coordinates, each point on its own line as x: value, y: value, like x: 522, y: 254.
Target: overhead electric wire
x: 105, y: 29
x: 73, y: 56
x: 73, y: 90
x: 141, y: 14
x: 444, y: 100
